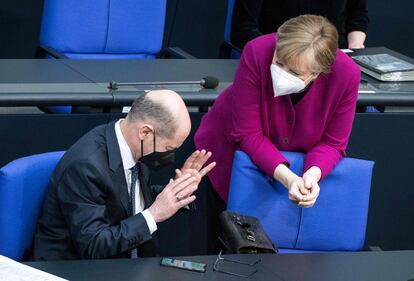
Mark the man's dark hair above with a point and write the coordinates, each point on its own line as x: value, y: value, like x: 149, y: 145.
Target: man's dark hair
x: 147, y: 110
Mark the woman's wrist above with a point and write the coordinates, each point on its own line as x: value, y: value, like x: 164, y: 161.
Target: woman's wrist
x: 313, y: 172
x: 284, y: 175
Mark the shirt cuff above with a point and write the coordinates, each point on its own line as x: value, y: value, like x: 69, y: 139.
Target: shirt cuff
x: 150, y: 221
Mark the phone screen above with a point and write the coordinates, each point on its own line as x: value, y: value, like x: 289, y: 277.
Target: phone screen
x: 186, y: 265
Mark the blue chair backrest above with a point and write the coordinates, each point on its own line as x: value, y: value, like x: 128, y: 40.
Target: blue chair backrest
x: 337, y: 222
x: 227, y: 29
x: 113, y: 29
x: 23, y: 185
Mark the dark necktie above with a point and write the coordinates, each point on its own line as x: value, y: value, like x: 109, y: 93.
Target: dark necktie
x: 134, y: 177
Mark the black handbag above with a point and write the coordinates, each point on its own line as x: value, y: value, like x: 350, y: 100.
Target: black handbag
x: 242, y: 234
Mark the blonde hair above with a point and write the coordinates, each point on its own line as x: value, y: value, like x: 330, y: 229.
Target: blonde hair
x: 308, y: 37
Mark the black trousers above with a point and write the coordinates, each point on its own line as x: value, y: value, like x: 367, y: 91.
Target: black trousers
x: 205, y: 219
x: 194, y: 232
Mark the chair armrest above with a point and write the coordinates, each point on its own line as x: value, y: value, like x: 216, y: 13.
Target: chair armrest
x: 235, y: 48
x: 52, y: 52
x: 372, y: 249
x: 176, y: 53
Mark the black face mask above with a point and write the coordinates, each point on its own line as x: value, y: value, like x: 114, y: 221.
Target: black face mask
x: 157, y: 160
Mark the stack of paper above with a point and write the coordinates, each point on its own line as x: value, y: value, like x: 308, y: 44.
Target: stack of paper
x: 11, y: 270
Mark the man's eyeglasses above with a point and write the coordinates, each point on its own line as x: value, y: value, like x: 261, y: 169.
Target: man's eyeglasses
x: 221, y: 259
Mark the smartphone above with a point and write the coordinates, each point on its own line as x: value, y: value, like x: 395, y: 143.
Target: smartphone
x: 186, y: 265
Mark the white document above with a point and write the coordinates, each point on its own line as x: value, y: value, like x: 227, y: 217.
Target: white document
x: 11, y: 270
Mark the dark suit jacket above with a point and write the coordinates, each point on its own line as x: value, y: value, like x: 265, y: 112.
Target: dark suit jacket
x: 86, y: 213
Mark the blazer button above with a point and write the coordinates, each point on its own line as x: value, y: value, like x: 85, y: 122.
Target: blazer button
x: 290, y: 120
x: 285, y: 140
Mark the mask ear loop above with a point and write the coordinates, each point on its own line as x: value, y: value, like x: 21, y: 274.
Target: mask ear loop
x: 312, y: 78
x: 142, y: 148
x: 307, y: 83
x: 154, y: 140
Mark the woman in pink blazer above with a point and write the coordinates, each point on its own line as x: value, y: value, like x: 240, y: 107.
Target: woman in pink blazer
x: 293, y: 91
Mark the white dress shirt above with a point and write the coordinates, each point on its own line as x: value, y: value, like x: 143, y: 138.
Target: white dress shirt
x: 128, y: 162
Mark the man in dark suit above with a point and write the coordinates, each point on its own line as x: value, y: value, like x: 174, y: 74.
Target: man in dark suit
x: 99, y: 203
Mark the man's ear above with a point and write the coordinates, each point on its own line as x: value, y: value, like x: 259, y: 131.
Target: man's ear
x: 144, y: 131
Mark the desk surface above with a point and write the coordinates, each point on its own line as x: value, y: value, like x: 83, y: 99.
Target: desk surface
x: 104, y: 71
x: 85, y: 82
x: 13, y: 71
x: 364, y: 266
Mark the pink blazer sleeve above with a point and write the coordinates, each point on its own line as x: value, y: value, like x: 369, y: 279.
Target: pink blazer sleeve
x: 332, y: 147
x: 246, y: 117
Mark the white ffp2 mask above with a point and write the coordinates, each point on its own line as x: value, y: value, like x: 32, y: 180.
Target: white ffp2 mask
x: 285, y: 83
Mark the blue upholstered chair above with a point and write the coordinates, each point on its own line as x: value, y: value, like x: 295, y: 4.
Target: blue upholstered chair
x: 235, y: 52
x: 104, y: 29
x: 371, y: 109
x: 23, y: 185
x: 337, y: 221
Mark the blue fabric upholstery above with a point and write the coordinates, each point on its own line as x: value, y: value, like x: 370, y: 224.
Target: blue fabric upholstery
x: 23, y: 185
x: 60, y: 109
x: 295, y: 251
x: 126, y: 28
x: 109, y: 56
x: 371, y: 109
x: 337, y: 221
x: 227, y: 29
x: 105, y: 29
x: 235, y: 54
